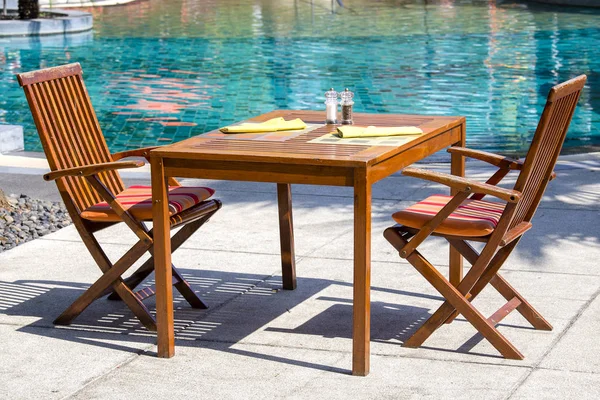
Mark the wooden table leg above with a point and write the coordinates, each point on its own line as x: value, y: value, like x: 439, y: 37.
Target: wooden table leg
x: 286, y: 236
x: 361, y: 332
x: 457, y: 167
x: 162, y: 260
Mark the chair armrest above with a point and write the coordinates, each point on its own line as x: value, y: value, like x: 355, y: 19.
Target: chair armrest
x: 490, y: 158
x: 92, y: 169
x: 143, y: 152
x: 463, y: 184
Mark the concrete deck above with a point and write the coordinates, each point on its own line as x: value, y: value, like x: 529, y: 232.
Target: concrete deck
x: 257, y: 341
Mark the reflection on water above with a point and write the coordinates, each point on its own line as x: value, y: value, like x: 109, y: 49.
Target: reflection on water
x: 50, y: 41
x: 162, y: 71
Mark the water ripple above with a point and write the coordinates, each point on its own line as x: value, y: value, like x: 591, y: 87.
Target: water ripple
x: 159, y: 72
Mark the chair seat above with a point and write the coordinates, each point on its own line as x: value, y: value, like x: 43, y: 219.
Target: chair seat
x: 471, y: 218
x: 138, y: 201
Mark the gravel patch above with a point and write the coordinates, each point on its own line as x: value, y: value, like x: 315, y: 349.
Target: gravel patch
x: 27, y: 219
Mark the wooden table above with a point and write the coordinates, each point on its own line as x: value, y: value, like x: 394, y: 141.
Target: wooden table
x: 295, y: 161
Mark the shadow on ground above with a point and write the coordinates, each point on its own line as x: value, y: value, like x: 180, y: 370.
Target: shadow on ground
x: 258, y: 302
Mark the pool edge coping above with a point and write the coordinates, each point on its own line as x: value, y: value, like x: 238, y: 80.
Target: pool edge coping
x: 71, y: 22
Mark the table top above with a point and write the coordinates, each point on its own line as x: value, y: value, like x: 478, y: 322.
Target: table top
x: 297, y: 150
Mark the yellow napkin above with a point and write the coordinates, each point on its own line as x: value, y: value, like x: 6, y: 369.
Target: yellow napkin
x: 272, y: 125
x: 350, y: 131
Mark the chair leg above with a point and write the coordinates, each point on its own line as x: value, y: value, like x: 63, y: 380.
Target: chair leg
x: 145, y: 270
x: 181, y: 285
x: 187, y: 292
x: 459, y: 302
x: 492, y: 277
x: 525, y: 309
x: 494, y: 266
x: 135, y: 304
x: 135, y: 279
x: 112, y: 273
x: 112, y: 276
x: 138, y: 308
x: 454, y: 300
x: 398, y: 239
x: 446, y: 313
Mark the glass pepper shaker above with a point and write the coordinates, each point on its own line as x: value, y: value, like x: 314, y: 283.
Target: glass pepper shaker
x: 331, y: 106
x: 347, y: 103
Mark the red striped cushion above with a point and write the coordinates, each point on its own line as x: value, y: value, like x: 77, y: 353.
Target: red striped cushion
x: 138, y: 201
x: 471, y: 218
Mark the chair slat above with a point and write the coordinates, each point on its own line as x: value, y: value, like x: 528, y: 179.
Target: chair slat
x: 93, y: 149
x: 58, y: 158
x: 111, y: 179
x: 73, y: 124
x: 69, y: 129
x: 50, y: 139
x: 545, y: 147
x: 71, y: 144
x: 43, y: 126
x: 80, y: 191
x: 80, y: 141
x: 82, y: 122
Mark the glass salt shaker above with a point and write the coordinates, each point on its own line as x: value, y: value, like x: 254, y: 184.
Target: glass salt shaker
x: 347, y: 103
x: 331, y: 106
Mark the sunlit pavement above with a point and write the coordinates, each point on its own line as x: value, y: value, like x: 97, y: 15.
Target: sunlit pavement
x: 258, y: 341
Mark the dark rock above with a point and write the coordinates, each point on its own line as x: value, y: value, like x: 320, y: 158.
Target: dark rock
x: 29, y: 219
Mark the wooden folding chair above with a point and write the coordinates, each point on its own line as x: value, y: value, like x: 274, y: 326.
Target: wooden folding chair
x: 95, y: 196
x: 500, y: 225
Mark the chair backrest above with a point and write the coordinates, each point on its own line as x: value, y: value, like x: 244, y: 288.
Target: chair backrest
x: 68, y: 129
x: 545, y: 147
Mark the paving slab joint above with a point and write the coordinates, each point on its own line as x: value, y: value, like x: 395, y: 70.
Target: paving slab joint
x: 556, y: 340
x: 134, y: 356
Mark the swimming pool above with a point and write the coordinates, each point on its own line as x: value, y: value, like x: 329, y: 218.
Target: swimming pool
x: 159, y: 72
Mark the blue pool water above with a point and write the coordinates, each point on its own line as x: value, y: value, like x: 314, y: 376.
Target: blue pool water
x: 160, y: 72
